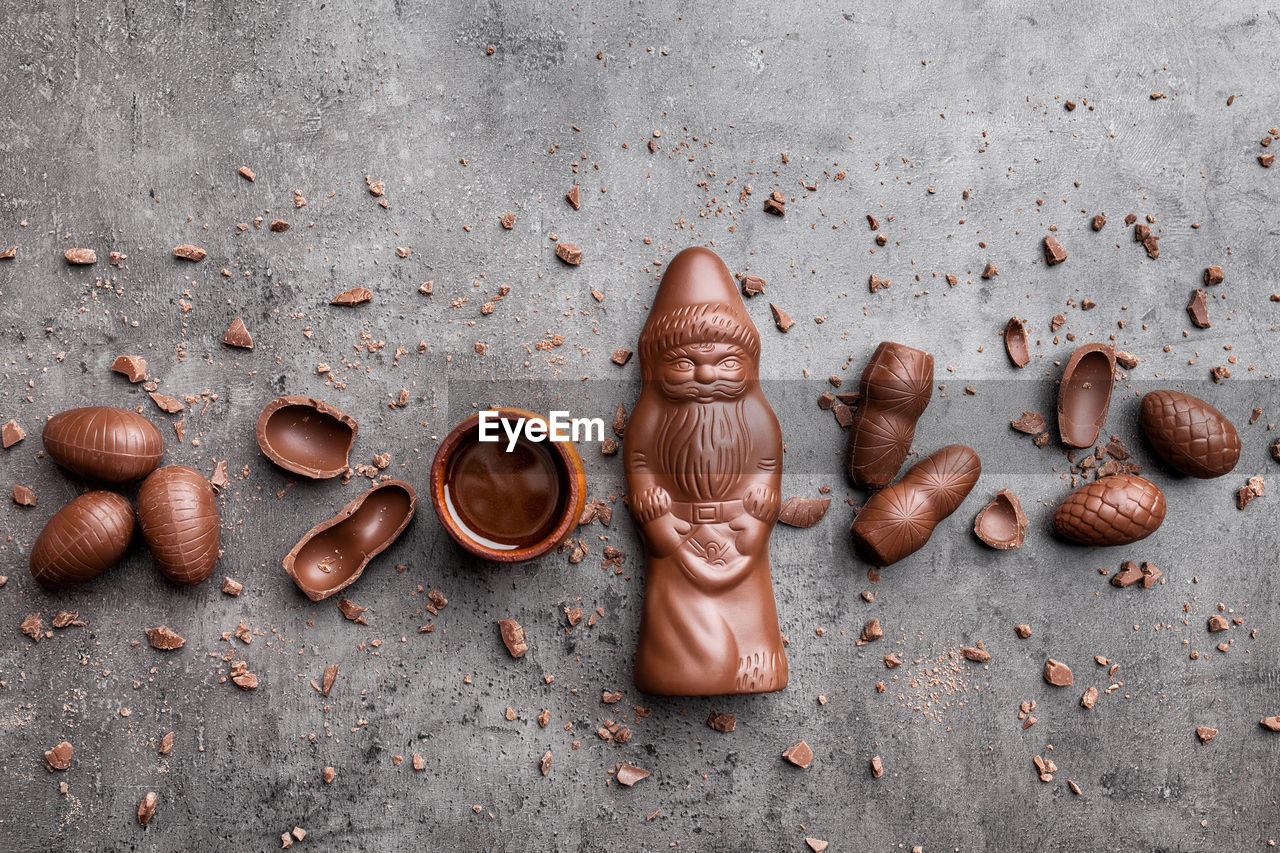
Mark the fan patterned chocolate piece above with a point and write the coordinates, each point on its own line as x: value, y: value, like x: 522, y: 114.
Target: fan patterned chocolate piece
x: 1115, y: 510
x: 1189, y: 434
x: 899, y: 520
x: 895, y: 389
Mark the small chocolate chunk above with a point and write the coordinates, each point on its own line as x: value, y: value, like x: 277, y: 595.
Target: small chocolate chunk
x: 1212, y: 276
x: 1205, y: 733
x: 800, y: 755
x: 877, y: 767
x: 621, y: 356
x: 81, y: 256
x: 629, y: 774
x: 803, y: 512
x: 977, y: 654
x: 1057, y: 673
x: 352, y: 297
x: 237, y: 335
x: 167, y: 404
x: 1267, y: 160
x: 775, y: 203
x: 572, y: 197
x: 133, y: 367
x: 722, y: 722
x: 752, y: 285
x: 166, y: 743
x: 508, y: 220
x: 329, y: 677
x: 189, y: 252
x: 1031, y: 423
x: 279, y: 225
x: 620, y: 420
x: 569, y: 253
x: 1054, y: 253
x: 1128, y: 575
x: 1023, y: 631
x: 990, y: 271
x: 513, y: 637
x: 1218, y: 623
x: 1098, y: 221
x: 231, y: 587
x: 781, y: 318
x: 164, y: 638
x: 247, y: 173
x: 1016, y: 343
x: 876, y: 283
x: 1090, y: 698
x: 1002, y: 524
x: 33, y: 627
x: 352, y: 611
x: 23, y: 496
x: 1271, y: 723
x: 11, y: 434
x: 1126, y: 359
x: 544, y: 763
x: 1150, y: 575
x: 1198, y: 310
x: 59, y: 758
x: 870, y: 632
x: 147, y: 808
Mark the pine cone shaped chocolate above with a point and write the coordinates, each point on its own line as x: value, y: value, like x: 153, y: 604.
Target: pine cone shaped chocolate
x: 1189, y: 434
x: 895, y: 389
x: 899, y: 520
x: 1115, y: 510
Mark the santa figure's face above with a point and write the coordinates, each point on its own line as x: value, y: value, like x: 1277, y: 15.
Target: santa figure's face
x: 704, y: 372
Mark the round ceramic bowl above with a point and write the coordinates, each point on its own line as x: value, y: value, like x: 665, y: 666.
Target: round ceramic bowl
x: 572, y: 480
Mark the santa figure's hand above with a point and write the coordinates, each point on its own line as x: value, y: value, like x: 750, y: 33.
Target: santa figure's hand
x: 654, y: 502
x: 762, y: 502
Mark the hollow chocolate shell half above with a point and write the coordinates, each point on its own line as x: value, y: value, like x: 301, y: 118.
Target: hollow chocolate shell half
x: 306, y: 436
x: 1085, y: 394
x: 332, y: 555
x: 1001, y: 523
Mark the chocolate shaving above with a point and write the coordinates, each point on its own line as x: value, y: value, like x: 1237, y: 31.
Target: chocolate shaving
x: 1016, y: 343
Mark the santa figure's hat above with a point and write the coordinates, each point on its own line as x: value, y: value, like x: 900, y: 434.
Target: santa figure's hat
x: 697, y: 303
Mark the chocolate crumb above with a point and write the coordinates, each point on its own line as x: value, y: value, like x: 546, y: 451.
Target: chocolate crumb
x: 147, y: 808
x: 877, y: 767
x: 629, y: 774
x: 976, y: 654
x: 1090, y: 698
x: 572, y: 197
x: 1213, y: 276
x: 870, y: 632
x: 354, y: 296
x: 1098, y: 221
x: 59, y: 758
x: 1053, y: 252
x: 752, y: 285
x: 569, y: 253
x: 23, y: 496
x: 1023, y: 631
x: 513, y: 637
x: 132, y: 367
x: 1197, y: 310
x: 722, y: 722
x: 189, y: 252
x: 237, y: 335
x: 1057, y: 673
x: 544, y: 763
x: 621, y: 357
x: 876, y: 283
x: 781, y: 318
x: 164, y: 638
x: 1205, y: 733
x: 352, y: 611
x: 508, y: 220
x: 990, y: 271
x: 800, y: 755
x: 81, y: 256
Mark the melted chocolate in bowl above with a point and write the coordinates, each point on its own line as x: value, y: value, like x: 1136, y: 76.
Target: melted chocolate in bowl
x: 506, y: 500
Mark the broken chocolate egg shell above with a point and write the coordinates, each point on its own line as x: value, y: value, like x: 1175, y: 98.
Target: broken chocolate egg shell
x: 306, y: 436
x: 499, y: 510
x: 82, y: 540
x: 102, y: 443
x: 1016, y: 343
x: 333, y: 554
x: 1001, y: 523
x: 1190, y: 435
x: 1085, y: 394
x: 178, y: 514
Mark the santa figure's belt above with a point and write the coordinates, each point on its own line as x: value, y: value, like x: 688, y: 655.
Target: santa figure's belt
x: 706, y: 512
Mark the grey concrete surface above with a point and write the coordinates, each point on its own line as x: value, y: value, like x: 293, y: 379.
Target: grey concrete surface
x: 121, y: 128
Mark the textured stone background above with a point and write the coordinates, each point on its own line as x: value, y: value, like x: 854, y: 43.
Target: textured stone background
x: 122, y: 127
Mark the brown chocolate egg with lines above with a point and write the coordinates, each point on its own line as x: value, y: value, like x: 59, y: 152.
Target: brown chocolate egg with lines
x: 1190, y: 435
x: 178, y: 514
x: 1115, y: 510
x: 306, y: 436
x: 106, y: 444
x: 82, y: 540
x: 332, y: 555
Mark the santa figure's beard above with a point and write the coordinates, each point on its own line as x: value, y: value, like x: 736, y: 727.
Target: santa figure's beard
x: 703, y: 447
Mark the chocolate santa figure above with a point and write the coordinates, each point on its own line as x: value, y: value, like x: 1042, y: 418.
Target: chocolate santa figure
x: 703, y: 457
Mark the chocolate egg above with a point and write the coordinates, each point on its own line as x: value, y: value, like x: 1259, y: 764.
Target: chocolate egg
x: 1189, y: 434
x: 111, y: 445
x: 306, y: 436
x: 178, y: 513
x: 332, y: 555
x: 82, y: 540
x: 1115, y: 510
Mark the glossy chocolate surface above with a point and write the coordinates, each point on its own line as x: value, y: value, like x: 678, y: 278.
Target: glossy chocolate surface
x: 178, y: 514
x: 703, y: 460
x: 332, y: 555
x: 897, y: 521
x: 82, y: 540
x: 1085, y: 394
x: 1190, y: 435
x: 1016, y: 344
x: 507, y: 507
x: 105, y: 444
x: 306, y: 436
x: 1002, y: 523
x: 506, y: 499
x: 895, y: 388
x: 1115, y: 510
